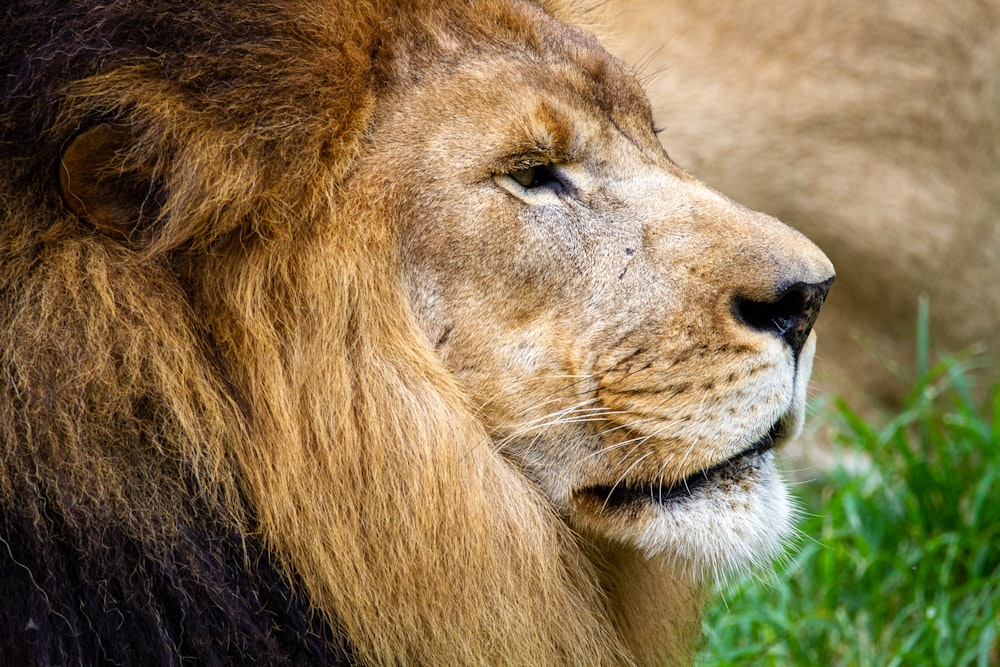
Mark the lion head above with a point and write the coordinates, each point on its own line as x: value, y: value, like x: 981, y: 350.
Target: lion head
x: 399, y: 314
x: 633, y: 340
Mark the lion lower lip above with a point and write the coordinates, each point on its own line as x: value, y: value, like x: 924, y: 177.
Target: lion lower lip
x: 623, y: 494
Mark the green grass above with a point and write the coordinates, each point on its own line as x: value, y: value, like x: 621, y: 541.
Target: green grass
x: 896, y: 566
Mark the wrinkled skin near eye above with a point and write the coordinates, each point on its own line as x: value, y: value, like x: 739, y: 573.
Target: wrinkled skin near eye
x: 635, y: 342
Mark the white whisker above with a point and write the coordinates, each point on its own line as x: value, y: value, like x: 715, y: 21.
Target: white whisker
x: 622, y: 477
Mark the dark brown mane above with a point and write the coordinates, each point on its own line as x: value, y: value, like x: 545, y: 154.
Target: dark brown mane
x: 221, y: 434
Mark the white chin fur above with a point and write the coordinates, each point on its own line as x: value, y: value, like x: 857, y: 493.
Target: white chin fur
x: 737, y: 521
x: 727, y: 525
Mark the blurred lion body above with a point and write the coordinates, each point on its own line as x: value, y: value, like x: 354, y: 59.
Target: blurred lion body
x: 874, y: 128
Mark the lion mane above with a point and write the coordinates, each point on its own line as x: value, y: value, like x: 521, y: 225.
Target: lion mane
x: 222, y: 435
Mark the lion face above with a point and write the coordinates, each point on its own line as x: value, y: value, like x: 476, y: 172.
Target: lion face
x: 617, y: 325
x: 634, y: 341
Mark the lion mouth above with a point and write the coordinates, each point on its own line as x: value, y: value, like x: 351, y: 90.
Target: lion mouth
x: 625, y: 494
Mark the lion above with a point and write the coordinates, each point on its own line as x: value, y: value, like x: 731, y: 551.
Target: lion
x: 373, y: 333
x: 872, y: 128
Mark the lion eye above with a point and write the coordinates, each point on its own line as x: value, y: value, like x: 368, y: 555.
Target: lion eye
x: 534, y: 177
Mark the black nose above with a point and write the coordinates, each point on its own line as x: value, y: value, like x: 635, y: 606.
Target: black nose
x: 791, y: 315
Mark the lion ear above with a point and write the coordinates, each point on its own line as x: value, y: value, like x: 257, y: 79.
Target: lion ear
x: 100, y: 188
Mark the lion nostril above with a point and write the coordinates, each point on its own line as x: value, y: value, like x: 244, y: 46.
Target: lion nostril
x: 791, y: 316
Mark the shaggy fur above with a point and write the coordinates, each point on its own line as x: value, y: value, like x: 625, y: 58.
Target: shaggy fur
x: 167, y: 401
x: 224, y: 433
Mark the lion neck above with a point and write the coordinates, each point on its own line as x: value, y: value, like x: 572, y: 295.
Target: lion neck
x: 655, y: 612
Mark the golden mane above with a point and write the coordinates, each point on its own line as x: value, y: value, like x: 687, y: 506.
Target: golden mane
x: 232, y: 401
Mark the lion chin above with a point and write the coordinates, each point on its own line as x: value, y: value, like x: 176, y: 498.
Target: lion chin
x: 372, y: 333
x: 723, y: 519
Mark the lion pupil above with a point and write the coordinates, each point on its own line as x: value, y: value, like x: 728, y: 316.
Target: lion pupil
x: 533, y: 177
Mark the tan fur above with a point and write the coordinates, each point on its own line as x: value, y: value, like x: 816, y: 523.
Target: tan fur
x: 403, y: 370
x: 871, y: 127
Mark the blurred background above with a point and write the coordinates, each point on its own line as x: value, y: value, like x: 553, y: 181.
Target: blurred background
x: 874, y: 128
